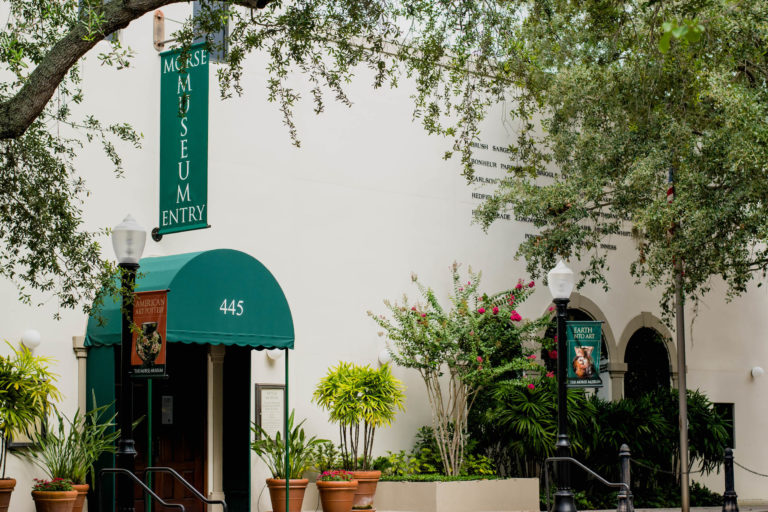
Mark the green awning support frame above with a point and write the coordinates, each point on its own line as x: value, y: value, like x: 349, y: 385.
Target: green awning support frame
x: 217, y: 297
x: 285, y: 439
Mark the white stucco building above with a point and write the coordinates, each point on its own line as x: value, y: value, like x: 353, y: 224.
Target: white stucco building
x: 340, y: 224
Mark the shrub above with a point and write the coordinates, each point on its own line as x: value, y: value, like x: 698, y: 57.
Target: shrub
x: 465, y: 348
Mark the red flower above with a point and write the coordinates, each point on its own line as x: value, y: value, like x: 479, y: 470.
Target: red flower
x: 479, y: 359
x: 553, y: 354
x: 551, y: 308
x: 481, y: 310
x: 550, y: 374
x: 515, y: 316
x: 532, y: 356
x: 413, y: 308
x: 518, y: 286
x: 531, y: 386
x: 423, y: 315
x: 495, y: 310
x: 531, y: 284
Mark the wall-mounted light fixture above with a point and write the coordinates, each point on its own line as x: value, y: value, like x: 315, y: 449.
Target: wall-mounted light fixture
x: 757, y: 371
x: 31, y: 339
x: 274, y: 354
x: 384, y: 356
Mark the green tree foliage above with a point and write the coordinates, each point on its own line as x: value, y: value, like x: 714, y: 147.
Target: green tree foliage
x: 359, y: 395
x: 459, y: 351
x: 43, y: 246
x: 616, y: 94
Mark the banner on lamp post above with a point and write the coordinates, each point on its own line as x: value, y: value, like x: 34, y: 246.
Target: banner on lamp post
x: 183, y: 141
x: 150, y: 312
x: 583, y: 356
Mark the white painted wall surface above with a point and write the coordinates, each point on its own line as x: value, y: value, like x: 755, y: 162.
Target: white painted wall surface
x: 342, y: 223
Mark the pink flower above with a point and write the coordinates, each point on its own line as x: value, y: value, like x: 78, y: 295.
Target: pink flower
x: 531, y: 284
x: 413, y: 308
x: 481, y: 310
x: 480, y: 367
x: 551, y: 308
x: 471, y: 333
x: 531, y: 386
x: 515, y: 316
x: 423, y: 315
x: 550, y: 374
x: 469, y: 283
x: 479, y: 359
x: 532, y: 356
x: 461, y: 289
x: 495, y: 310
x: 518, y: 286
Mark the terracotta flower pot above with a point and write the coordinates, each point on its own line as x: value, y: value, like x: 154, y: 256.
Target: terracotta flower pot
x: 54, y: 501
x: 366, y: 488
x: 277, y: 493
x: 82, y: 492
x: 6, y: 488
x: 337, y: 496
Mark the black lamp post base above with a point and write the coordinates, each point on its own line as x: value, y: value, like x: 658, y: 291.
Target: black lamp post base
x: 564, y: 501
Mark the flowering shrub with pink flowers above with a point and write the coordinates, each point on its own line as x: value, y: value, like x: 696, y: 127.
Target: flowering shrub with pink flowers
x: 335, y: 475
x: 465, y: 347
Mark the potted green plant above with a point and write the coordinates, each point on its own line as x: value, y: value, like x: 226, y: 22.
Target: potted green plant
x: 337, y: 490
x: 70, y: 450
x: 26, y: 394
x: 55, y: 495
x: 360, y: 399
x: 271, y: 450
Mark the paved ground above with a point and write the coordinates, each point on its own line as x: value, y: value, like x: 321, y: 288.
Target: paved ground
x: 693, y: 509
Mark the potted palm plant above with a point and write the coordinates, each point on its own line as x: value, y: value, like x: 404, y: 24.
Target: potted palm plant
x: 69, y: 451
x: 360, y: 399
x: 26, y: 394
x: 271, y: 450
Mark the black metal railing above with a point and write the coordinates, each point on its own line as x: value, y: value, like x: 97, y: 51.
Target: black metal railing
x: 136, y: 480
x: 180, y: 479
x: 625, y: 493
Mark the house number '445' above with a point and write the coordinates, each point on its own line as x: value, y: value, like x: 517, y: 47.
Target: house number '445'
x: 235, y: 308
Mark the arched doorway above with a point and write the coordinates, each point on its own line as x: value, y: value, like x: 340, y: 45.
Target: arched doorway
x: 647, y: 362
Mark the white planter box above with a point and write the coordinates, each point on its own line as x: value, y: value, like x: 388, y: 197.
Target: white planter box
x: 514, y: 494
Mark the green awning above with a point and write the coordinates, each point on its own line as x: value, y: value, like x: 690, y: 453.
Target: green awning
x: 219, y: 297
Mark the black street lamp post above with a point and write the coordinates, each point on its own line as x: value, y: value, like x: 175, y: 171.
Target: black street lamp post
x: 560, y: 283
x: 128, y: 239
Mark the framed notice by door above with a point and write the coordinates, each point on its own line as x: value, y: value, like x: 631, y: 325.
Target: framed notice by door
x: 270, y: 408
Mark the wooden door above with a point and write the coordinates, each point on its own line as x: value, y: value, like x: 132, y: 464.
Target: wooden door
x: 178, y: 427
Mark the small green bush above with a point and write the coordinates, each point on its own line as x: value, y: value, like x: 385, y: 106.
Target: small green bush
x: 436, y: 478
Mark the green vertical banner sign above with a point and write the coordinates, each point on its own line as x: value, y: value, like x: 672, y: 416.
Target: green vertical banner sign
x: 184, y: 141
x: 584, y: 340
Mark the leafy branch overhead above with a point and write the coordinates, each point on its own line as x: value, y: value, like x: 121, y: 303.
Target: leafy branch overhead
x: 617, y: 95
x: 42, y: 46
x: 607, y: 96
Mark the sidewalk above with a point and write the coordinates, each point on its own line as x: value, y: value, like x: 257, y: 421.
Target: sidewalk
x: 752, y: 508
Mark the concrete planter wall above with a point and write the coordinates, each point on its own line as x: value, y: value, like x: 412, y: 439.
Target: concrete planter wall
x: 514, y: 494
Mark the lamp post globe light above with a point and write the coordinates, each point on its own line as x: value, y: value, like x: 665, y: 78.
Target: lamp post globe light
x: 128, y: 239
x: 560, y: 284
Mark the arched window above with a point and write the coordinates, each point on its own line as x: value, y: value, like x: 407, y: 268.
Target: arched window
x: 647, y: 361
